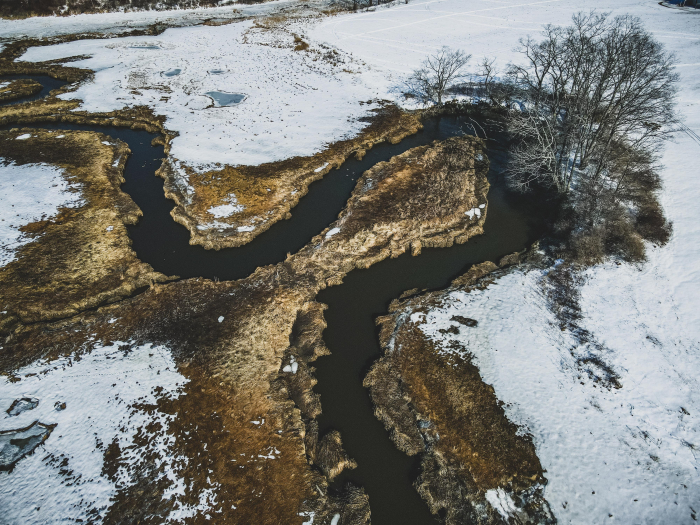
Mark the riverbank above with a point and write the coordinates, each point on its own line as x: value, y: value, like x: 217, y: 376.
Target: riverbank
x: 242, y: 332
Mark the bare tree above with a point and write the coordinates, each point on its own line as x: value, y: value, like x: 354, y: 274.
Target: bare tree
x: 586, y: 88
x: 486, y: 74
x: 437, y: 74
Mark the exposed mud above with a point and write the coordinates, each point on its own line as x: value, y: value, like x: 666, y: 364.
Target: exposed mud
x: 81, y: 258
x: 436, y: 405
x: 246, y: 348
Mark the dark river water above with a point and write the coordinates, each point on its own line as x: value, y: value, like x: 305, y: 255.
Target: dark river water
x: 512, y: 223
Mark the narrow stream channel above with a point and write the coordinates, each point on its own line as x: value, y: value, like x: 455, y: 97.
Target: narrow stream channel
x: 512, y: 223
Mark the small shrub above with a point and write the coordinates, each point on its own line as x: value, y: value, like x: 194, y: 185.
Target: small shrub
x: 651, y: 223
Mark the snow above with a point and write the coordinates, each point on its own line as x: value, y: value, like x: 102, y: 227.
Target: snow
x: 221, y: 319
x: 501, y: 501
x: 226, y: 210
x: 25, y: 136
x: 332, y: 232
x: 321, y: 168
x: 296, y: 103
x: 630, y: 452
x: 119, y: 23
x: 626, y: 452
x: 245, y: 228
x: 30, y: 193
x: 335, y: 519
x: 102, y: 391
x: 474, y: 211
x: 292, y: 367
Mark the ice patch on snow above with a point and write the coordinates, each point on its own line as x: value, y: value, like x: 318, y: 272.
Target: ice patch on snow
x: 222, y: 99
x: 101, y: 392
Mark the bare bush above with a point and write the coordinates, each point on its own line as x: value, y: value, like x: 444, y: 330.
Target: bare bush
x: 438, y: 73
x: 485, y: 79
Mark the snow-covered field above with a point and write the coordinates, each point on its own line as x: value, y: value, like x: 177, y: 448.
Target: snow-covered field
x: 96, y: 400
x: 296, y: 101
x: 627, y: 454
x: 30, y: 193
x: 123, y: 22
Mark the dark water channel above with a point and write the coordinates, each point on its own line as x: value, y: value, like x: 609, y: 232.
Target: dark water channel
x: 48, y: 84
x: 512, y: 223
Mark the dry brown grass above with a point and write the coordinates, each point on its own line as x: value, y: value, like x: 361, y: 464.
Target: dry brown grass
x: 19, y: 89
x: 235, y: 367
x: 436, y: 404
x: 287, y: 180
x: 417, y: 199
x: 73, y: 263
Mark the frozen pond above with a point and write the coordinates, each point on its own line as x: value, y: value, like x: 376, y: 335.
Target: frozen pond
x: 222, y: 99
x: 171, y: 72
x: 144, y: 46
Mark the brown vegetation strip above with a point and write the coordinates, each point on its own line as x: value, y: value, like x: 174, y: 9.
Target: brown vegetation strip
x: 437, y: 405
x: 287, y: 180
x: 19, y: 89
x: 82, y: 257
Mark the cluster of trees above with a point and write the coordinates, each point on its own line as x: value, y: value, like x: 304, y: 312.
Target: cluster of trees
x: 590, y: 92
x: 354, y: 5
x: 588, y: 108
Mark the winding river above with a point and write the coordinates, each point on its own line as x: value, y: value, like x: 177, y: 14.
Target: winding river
x: 512, y: 223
